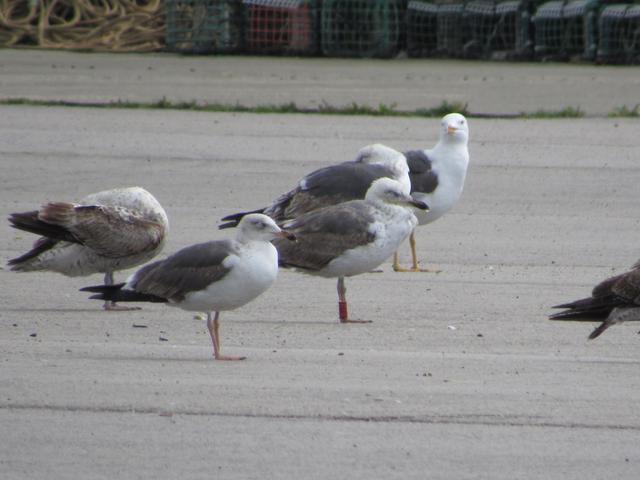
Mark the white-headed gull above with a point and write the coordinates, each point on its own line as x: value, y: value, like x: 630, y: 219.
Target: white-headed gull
x: 352, y: 237
x: 211, y: 277
x: 438, y: 175
x: 335, y: 184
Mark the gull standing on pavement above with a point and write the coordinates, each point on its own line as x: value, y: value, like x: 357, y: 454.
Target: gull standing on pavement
x: 105, y: 232
x: 212, y: 277
x: 352, y: 237
x: 437, y: 177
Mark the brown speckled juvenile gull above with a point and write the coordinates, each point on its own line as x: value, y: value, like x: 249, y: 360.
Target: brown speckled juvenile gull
x: 208, y: 277
x: 105, y: 232
x: 352, y: 237
x: 614, y: 300
x: 335, y: 184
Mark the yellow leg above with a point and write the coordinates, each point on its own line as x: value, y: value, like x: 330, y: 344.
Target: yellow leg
x: 414, y: 259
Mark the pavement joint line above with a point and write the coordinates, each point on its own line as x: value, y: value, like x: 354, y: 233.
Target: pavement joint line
x: 491, y: 420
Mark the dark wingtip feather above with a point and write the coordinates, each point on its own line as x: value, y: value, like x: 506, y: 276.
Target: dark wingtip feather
x: 40, y: 246
x: 102, y: 288
x: 598, y: 331
x: 582, y: 303
x: 30, y: 222
x: 228, y: 225
x: 116, y: 293
x: 234, y: 219
x: 234, y: 216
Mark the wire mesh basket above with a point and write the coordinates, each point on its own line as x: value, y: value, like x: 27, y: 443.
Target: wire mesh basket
x: 565, y: 29
x: 498, y: 29
x: 422, y: 28
x: 452, y: 32
x: 361, y: 28
x: 619, y: 30
x: 204, y: 26
x: 287, y: 27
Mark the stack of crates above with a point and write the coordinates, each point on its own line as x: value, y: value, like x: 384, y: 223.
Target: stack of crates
x: 204, y: 26
x: 422, y: 28
x: 481, y: 20
x: 619, y: 29
x: 281, y: 26
x: 452, y: 32
x: 498, y: 29
x: 566, y: 28
x: 361, y: 28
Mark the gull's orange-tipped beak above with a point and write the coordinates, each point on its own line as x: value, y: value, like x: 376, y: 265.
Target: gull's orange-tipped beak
x: 451, y: 129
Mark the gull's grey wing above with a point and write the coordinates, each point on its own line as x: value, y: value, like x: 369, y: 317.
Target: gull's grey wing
x: 325, y: 234
x: 625, y: 286
x: 191, y: 269
x: 327, y: 186
x: 423, y: 178
x: 620, y: 291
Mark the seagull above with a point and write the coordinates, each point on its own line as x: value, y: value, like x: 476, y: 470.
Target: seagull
x: 335, y: 184
x: 107, y: 231
x: 214, y: 276
x: 437, y: 177
x: 614, y: 300
x: 350, y: 238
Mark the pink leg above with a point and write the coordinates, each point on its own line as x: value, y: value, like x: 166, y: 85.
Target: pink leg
x: 342, y: 304
x: 213, y: 325
x: 110, y: 306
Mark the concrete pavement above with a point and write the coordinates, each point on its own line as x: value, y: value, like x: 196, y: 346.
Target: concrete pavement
x: 407, y: 84
x: 459, y: 376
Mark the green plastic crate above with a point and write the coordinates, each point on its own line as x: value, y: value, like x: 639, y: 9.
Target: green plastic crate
x: 361, y: 28
x: 204, y: 26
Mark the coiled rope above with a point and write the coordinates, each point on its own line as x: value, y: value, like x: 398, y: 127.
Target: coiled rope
x: 100, y: 25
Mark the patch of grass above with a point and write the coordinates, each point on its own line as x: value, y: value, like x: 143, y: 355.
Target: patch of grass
x: 324, y: 108
x: 444, y: 108
x: 356, y: 109
x: 567, y: 112
x: 625, y: 111
x: 383, y: 110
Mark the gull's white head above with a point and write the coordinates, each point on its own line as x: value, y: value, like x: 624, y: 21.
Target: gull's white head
x: 380, y: 154
x: 454, y: 128
x: 257, y: 226
x: 389, y: 191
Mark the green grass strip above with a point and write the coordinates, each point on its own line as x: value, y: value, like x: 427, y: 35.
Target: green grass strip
x: 354, y: 108
x: 324, y: 109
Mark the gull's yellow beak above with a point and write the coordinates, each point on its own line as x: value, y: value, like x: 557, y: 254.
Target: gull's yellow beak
x: 451, y: 129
